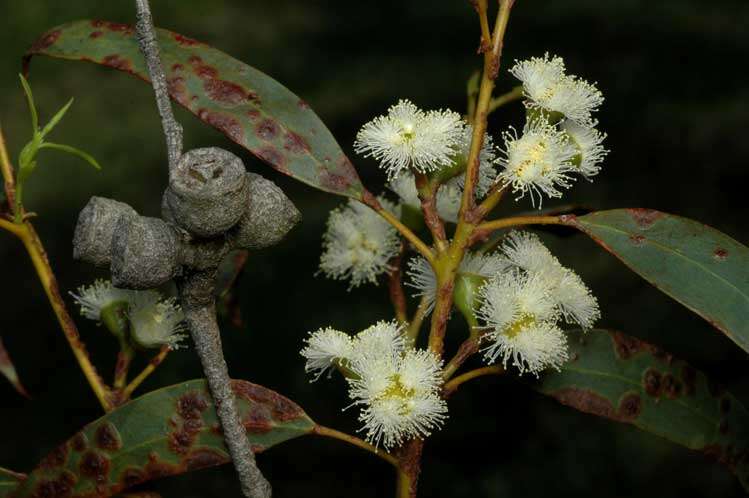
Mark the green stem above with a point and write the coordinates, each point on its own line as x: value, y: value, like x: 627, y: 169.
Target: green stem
x: 321, y: 430
x: 452, y: 386
x: 497, y: 102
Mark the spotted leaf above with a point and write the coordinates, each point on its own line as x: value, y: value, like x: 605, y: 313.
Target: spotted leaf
x: 165, y: 432
x: 621, y: 378
x: 702, y: 268
x: 249, y: 107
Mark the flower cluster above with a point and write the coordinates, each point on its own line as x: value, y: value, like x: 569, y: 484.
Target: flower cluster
x: 153, y: 321
x: 397, y: 389
x: 559, y: 138
x: 520, y: 306
x: 358, y: 243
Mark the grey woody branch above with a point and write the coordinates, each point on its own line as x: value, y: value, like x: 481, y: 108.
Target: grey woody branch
x: 150, y: 49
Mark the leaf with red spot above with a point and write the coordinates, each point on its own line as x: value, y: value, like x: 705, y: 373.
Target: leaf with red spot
x: 249, y: 107
x: 704, y: 269
x: 9, y: 481
x: 9, y: 370
x: 165, y: 432
x: 621, y: 378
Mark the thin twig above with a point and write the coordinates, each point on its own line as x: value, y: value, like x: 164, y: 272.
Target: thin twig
x: 395, y: 286
x: 412, y: 333
x: 33, y: 244
x: 497, y: 102
x: 321, y: 430
x: 122, y: 367
x: 127, y: 392
x: 485, y: 229
x: 468, y: 348
x: 428, y: 197
x: 406, y: 232
x: 7, y: 172
x: 449, y: 388
x: 150, y: 49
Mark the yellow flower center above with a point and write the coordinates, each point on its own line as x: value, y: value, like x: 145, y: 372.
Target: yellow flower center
x: 525, y: 321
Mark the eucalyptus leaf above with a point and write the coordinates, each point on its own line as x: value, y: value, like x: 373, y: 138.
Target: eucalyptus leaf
x: 621, y: 378
x: 245, y: 104
x: 166, y: 432
x: 704, y: 269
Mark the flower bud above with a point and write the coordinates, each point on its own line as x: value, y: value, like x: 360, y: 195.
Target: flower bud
x: 207, y: 192
x: 96, y: 225
x: 268, y: 217
x: 466, y: 295
x: 144, y: 253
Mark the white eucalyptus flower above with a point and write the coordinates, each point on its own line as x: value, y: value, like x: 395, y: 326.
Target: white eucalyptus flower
x: 398, y: 395
x: 590, y: 150
x: 155, y: 322
x: 548, y: 88
x: 519, y: 314
x: 577, y: 304
x: 407, y: 137
x: 323, y: 348
x: 538, y: 162
x: 97, y: 296
x: 358, y: 243
x: 382, y: 338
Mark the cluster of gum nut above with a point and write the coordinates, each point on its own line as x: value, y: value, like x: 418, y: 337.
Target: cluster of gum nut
x: 211, y: 207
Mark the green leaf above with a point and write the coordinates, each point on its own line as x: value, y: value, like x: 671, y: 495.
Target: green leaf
x: 248, y: 106
x: 619, y: 377
x: 165, y: 432
x: 702, y: 268
x: 72, y: 150
x: 9, y: 481
x: 56, y: 118
x: 9, y: 370
x: 30, y: 102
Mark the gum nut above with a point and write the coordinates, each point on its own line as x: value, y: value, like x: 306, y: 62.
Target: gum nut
x: 92, y: 241
x: 207, y: 191
x: 270, y: 215
x: 166, y: 211
x: 144, y: 253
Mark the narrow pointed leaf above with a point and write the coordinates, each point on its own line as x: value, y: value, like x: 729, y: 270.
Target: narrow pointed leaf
x: 56, y: 118
x: 245, y: 104
x: 165, y: 432
x: 72, y: 150
x: 704, y: 269
x: 31, y: 104
x: 9, y: 370
x: 9, y: 481
x: 619, y: 377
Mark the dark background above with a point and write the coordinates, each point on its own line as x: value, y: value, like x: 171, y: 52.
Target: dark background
x: 677, y: 113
